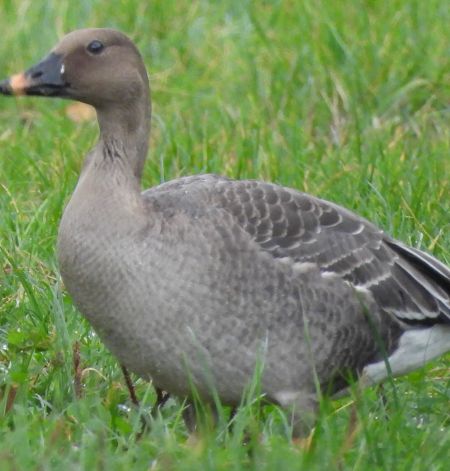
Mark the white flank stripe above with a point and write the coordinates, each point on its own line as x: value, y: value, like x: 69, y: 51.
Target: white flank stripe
x: 416, y: 348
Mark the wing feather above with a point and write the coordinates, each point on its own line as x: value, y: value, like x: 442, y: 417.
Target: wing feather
x: 411, y: 285
x: 299, y: 228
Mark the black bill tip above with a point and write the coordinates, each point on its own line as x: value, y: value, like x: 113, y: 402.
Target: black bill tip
x: 43, y: 79
x: 15, y: 85
x: 5, y: 87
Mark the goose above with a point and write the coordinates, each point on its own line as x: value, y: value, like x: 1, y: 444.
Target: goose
x: 195, y: 282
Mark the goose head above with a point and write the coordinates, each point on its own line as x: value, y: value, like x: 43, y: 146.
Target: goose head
x: 100, y: 67
x: 103, y: 68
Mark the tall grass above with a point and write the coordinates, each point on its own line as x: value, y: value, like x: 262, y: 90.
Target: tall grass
x: 347, y: 100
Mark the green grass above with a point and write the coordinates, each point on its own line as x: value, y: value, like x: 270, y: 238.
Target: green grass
x: 346, y: 100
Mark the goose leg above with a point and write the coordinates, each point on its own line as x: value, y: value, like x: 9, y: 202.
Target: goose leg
x: 208, y: 413
x: 130, y: 386
x: 302, y: 409
x: 77, y: 370
x: 303, y: 428
x: 190, y: 417
x: 161, y: 398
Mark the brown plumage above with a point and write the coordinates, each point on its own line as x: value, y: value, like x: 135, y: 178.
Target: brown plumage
x: 194, y: 281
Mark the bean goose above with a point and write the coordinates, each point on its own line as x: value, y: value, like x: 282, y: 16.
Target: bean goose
x: 193, y: 282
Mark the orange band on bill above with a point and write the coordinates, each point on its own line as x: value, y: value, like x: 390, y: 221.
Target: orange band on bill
x: 18, y: 83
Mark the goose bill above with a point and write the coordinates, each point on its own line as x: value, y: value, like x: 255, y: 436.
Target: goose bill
x: 43, y: 79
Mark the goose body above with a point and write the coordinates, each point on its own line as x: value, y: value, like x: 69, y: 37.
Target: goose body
x: 195, y: 282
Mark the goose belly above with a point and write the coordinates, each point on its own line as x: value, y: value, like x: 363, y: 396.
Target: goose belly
x: 172, y: 314
x: 159, y: 313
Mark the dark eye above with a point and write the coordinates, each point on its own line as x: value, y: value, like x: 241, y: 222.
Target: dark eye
x: 95, y: 47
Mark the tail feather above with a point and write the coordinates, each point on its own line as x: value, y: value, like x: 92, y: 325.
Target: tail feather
x: 430, y: 274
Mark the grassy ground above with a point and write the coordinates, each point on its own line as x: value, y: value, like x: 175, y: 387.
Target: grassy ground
x: 347, y: 100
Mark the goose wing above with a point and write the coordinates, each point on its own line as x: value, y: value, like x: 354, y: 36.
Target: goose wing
x: 408, y: 283
x: 405, y: 282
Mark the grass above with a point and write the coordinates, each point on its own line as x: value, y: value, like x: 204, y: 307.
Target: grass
x: 346, y: 100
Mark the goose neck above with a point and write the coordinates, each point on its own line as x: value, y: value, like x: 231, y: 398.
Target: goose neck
x: 124, y: 137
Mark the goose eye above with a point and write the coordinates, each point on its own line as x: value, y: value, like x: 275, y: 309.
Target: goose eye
x: 95, y: 47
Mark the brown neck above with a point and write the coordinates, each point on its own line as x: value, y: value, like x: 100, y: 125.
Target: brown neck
x: 124, y: 136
